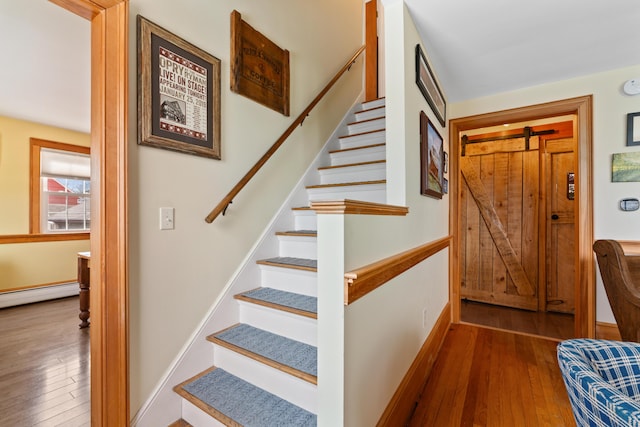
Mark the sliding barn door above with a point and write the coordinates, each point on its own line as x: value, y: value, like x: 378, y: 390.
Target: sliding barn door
x: 500, y: 222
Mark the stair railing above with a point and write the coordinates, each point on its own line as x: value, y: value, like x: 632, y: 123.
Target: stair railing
x: 228, y: 199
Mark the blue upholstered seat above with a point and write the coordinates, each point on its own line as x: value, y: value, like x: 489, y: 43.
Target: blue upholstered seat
x: 603, y: 381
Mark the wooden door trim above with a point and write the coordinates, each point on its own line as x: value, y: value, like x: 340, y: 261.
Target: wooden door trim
x: 371, y: 52
x: 585, y: 266
x: 109, y: 287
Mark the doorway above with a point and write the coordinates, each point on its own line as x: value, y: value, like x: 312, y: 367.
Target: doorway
x: 488, y: 265
x: 517, y: 226
x: 109, y: 233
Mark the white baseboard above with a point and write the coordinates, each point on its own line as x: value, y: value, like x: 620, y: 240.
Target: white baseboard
x: 27, y: 296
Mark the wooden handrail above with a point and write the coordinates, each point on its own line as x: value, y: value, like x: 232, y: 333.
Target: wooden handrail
x: 224, y: 203
x: 359, y: 282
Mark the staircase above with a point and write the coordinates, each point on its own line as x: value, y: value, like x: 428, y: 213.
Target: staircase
x: 264, y: 369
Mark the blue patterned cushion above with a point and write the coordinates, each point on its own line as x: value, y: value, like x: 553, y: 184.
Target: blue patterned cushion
x: 589, y: 380
x: 618, y: 363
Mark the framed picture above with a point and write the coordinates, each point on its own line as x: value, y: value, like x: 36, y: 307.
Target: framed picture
x: 431, y: 159
x: 178, y: 93
x: 625, y: 167
x: 429, y: 87
x: 633, y: 129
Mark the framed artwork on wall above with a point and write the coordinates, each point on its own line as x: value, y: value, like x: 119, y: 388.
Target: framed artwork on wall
x: 429, y: 87
x: 178, y: 93
x: 431, y: 159
x: 633, y: 129
x: 625, y: 167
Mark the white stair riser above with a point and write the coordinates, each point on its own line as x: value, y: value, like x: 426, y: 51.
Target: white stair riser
x: 290, y: 280
x: 366, y: 126
x: 374, y: 113
x: 197, y: 417
x: 356, y: 156
x: 373, y: 104
x: 360, y: 173
x: 298, y: 246
x: 375, y: 193
x: 295, y: 390
x: 363, y: 139
x: 305, y: 220
x: 293, y: 326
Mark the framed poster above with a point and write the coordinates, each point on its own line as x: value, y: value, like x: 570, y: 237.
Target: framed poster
x: 431, y: 159
x: 429, y: 87
x: 259, y: 68
x: 178, y: 93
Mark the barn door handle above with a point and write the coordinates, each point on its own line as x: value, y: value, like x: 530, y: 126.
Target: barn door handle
x: 555, y: 216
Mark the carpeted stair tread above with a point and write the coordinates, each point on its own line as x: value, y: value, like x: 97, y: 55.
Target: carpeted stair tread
x: 291, y: 262
x: 244, y: 403
x: 284, y: 299
x: 284, y: 353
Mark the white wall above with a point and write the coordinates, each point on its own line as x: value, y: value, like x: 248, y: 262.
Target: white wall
x: 176, y: 275
x: 610, y: 110
x: 384, y: 330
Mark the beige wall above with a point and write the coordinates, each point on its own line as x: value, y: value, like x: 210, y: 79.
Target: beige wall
x: 610, y: 108
x: 384, y: 330
x: 177, y: 275
x: 30, y: 264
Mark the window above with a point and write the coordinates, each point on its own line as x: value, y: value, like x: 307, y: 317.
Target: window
x: 60, y: 187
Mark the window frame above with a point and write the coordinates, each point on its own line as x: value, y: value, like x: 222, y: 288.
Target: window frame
x: 35, y: 193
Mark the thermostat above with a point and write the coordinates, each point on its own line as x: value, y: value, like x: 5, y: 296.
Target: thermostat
x: 628, y: 205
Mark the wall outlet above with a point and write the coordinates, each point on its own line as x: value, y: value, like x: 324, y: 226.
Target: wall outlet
x: 167, y: 219
x: 424, y: 317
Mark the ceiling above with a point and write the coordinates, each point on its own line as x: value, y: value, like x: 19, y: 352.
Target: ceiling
x: 477, y: 48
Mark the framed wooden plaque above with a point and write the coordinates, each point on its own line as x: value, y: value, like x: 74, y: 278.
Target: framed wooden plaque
x: 259, y: 68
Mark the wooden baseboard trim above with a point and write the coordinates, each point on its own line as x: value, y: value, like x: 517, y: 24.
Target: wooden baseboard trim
x: 607, y: 331
x: 403, y: 402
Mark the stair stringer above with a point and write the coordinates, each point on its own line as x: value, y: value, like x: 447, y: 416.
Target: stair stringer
x: 164, y: 405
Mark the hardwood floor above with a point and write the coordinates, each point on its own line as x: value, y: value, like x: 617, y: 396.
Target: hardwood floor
x: 44, y: 365
x: 486, y: 377
x: 552, y: 325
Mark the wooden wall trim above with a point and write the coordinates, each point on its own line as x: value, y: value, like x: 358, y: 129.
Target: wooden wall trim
x: 585, y: 261
x: 359, y: 282
x: 404, y: 400
x: 607, y: 331
x: 37, y: 238
x: 371, y: 52
x: 109, y: 232
x: 357, y: 207
x: 41, y: 285
x: 630, y: 247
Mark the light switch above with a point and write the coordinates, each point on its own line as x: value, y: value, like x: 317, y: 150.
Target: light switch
x: 166, y: 219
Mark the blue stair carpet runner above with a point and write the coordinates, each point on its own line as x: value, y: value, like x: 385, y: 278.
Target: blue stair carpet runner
x: 283, y: 298
x: 300, y: 356
x: 246, y: 404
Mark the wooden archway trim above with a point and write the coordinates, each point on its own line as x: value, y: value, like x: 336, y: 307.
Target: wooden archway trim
x: 109, y: 289
x: 585, y: 266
